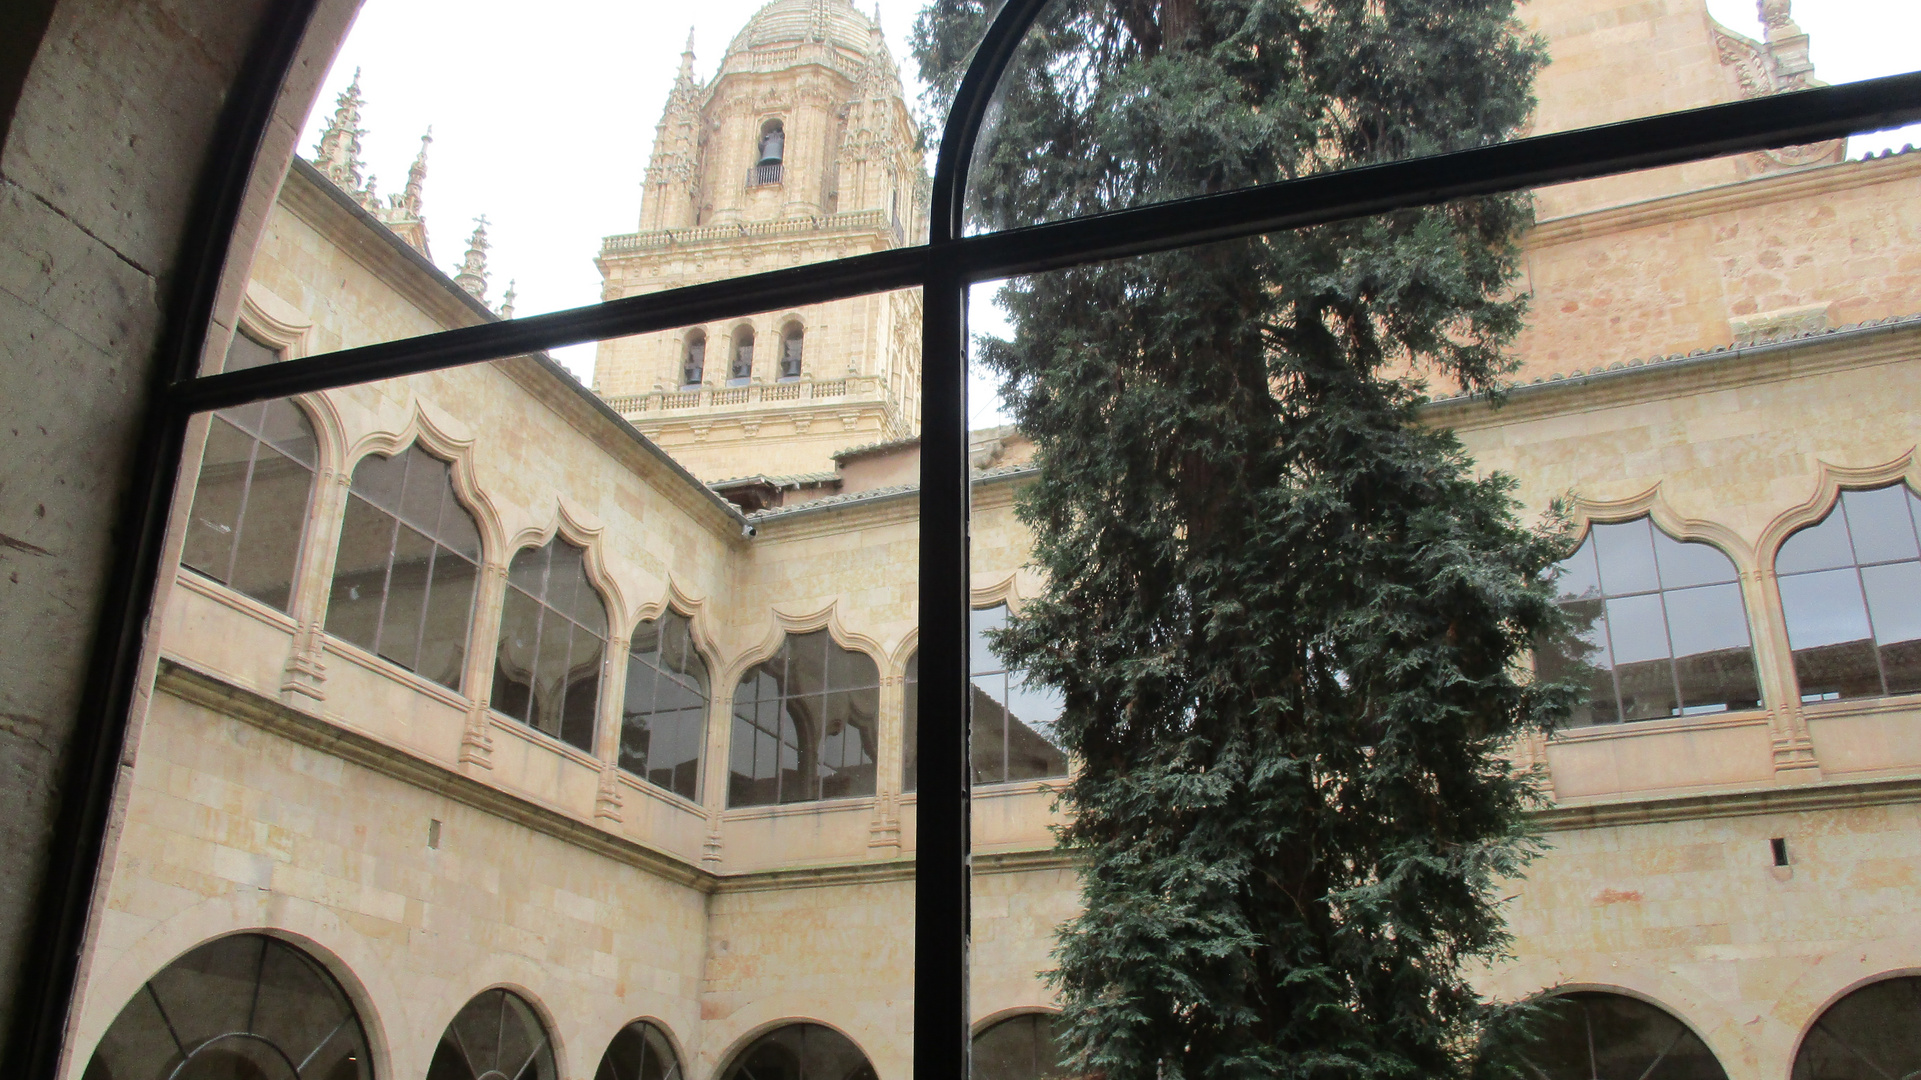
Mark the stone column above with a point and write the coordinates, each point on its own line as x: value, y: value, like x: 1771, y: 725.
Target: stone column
x: 476, y: 739
x: 713, y: 768
x: 613, y: 695
x: 1793, y: 747
x: 883, y: 832
x: 303, y: 681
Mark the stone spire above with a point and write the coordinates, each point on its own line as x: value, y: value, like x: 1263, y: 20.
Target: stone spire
x: 667, y: 195
x: 337, y: 155
x: 507, y: 301
x: 473, y: 270
x: 417, y: 176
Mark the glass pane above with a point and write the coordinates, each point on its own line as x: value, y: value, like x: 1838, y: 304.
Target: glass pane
x: 1692, y: 563
x: 1583, y: 656
x: 1578, y: 575
x: 515, y: 659
x: 1820, y: 547
x: 1879, y: 521
x: 267, y: 545
x: 1894, y: 603
x: 360, y: 574
x: 406, y: 598
x: 448, y: 620
x: 981, y: 656
x: 429, y: 481
x: 1637, y: 627
x: 910, y: 726
x: 1713, y: 660
x: 1626, y: 555
x: 1823, y: 608
x: 245, y: 351
x: 217, y: 498
x: 1110, y: 105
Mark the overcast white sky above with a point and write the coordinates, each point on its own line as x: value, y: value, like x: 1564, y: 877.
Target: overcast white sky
x: 543, y: 115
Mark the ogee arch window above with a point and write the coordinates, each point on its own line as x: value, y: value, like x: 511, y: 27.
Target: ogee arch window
x: 250, y: 504
x: 805, y: 725
x: 495, y: 1036
x: 801, y: 1052
x: 693, y: 364
x: 663, y: 721
x: 1013, y: 731
x: 910, y: 725
x: 1851, y: 597
x: 553, y: 635
x: 1663, y: 630
x: 1872, y: 1032
x: 1593, y: 1034
x: 242, y: 1007
x: 640, y: 1051
x: 742, y: 368
x: 1018, y: 1048
x: 791, y: 340
x: 408, y: 564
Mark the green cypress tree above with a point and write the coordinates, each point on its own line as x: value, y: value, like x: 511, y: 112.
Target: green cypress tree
x: 1289, y: 623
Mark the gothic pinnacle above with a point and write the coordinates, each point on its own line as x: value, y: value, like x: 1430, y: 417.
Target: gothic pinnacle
x: 687, y: 59
x: 507, y: 301
x: 473, y: 270
x: 417, y: 175
x: 338, y: 152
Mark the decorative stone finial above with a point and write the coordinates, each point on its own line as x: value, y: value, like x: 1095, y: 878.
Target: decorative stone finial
x: 1774, y: 13
x: 337, y: 154
x: 473, y: 270
x: 417, y: 175
x: 507, y: 301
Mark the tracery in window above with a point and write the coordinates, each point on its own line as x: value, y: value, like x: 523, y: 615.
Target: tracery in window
x: 1592, y: 1034
x: 801, y: 1052
x: 1874, y: 1031
x: 693, y: 365
x: 553, y: 634
x: 640, y: 1051
x: 743, y: 362
x: 409, y: 561
x: 805, y: 725
x: 250, y: 503
x: 791, y: 340
x: 1018, y: 1048
x: 1663, y: 629
x: 495, y: 1036
x: 1013, y: 729
x: 240, y: 1007
x: 1851, y: 597
x: 663, y: 722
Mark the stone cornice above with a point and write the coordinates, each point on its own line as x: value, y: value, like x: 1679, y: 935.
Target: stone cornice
x: 730, y: 237
x: 1811, y: 182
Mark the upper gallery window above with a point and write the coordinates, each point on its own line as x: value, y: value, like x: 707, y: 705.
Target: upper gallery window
x: 805, y: 725
x: 910, y: 726
x: 409, y: 560
x: 250, y: 504
x: 1013, y: 731
x: 663, y: 724
x: 742, y: 368
x: 238, y: 1006
x: 791, y: 340
x: 1662, y: 628
x: 553, y: 632
x: 1851, y: 595
x: 773, y: 147
x: 693, y: 364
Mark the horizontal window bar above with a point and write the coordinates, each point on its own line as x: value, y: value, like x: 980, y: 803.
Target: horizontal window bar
x: 1761, y: 123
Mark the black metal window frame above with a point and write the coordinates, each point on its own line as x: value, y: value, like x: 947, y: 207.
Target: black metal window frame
x: 942, y: 268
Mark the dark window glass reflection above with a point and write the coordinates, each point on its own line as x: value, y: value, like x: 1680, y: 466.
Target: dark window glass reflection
x: 408, y: 566
x: 800, y: 1052
x: 1013, y: 731
x: 237, y: 1008
x: 1851, y: 596
x: 663, y: 722
x: 1873, y: 1032
x: 495, y: 1036
x: 553, y: 632
x: 1660, y: 627
x: 247, y: 351
x: 1018, y: 1048
x: 805, y: 725
x: 639, y: 1052
x: 250, y: 504
x: 1587, y: 1035
x: 910, y: 726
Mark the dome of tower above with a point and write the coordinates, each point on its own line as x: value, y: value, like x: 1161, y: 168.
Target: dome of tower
x: 793, y: 22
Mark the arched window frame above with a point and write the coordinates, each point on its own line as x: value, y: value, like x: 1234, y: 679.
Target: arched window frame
x: 654, y: 1038
x: 784, y: 757
x: 463, y: 1049
x: 944, y: 268
x: 794, y: 1037
x: 455, y: 548
x: 793, y: 339
x: 740, y: 355
x: 1616, y: 610
x: 571, y: 724
x: 693, y: 360
x: 1859, y: 583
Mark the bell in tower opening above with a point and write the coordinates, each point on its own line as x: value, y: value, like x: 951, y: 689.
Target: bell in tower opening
x: 772, y: 141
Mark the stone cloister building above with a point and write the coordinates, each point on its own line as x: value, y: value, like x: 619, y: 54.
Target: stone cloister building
x: 482, y: 693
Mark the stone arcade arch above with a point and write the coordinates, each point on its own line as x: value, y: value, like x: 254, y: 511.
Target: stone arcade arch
x: 239, y: 1007
x: 1591, y: 1034
x: 497, y: 1035
x: 1018, y: 1047
x: 1873, y: 1031
x: 800, y: 1051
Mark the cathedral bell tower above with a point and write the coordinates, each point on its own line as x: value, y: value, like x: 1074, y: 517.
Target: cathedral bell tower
x: 800, y: 149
